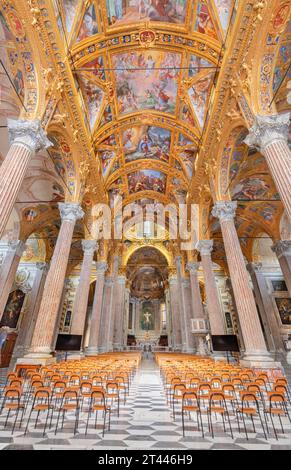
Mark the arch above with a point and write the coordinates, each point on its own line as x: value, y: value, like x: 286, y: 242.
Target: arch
x: 134, y: 247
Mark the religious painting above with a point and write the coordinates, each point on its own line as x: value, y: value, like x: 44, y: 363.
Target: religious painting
x: 251, y: 188
x: 30, y: 214
x: 204, y: 23
x: 184, y: 141
x: 224, y: 8
x: 147, y: 142
x: 89, y: 25
x: 281, y: 15
x: 70, y: 8
x: 187, y: 116
x: 279, y: 285
x: 107, y: 116
x: 197, y: 64
x: 15, y: 24
x: 121, y: 12
x: 147, y: 180
x: 96, y: 68
x: 19, y: 83
x: 93, y: 97
x: 13, y: 309
x: 34, y: 251
x: 199, y: 93
x: 5, y: 33
x: 106, y: 158
x: 108, y: 142
x: 188, y: 158
x: 284, y: 309
x: 147, y: 80
x: 147, y: 318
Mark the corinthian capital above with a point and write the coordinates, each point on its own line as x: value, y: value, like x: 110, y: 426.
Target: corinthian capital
x: 28, y: 133
x: 192, y: 267
x: 101, y: 267
x: 224, y: 210
x: 89, y: 246
x: 267, y: 130
x: 205, y: 247
x: 282, y: 247
x: 70, y: 212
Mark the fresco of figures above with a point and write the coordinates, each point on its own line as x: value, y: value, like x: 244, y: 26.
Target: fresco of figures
x: 147, y: 142
x: 93, y: 97
x: 224, y: 9
x: 251, y: 188
x: 106, y: 158
x: 147, y: 180
x: 188, y: 158
x: 147, y: 80
x: 198, y: 64
x: 89, y: 25
x: 204, y: 23
x: 126, y: 11
x: 199, y: 94
x: 70, y: 9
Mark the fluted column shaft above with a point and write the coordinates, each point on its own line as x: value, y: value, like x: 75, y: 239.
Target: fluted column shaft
x: 196, y: 300
x: 8, y: 272
x: 112, y: 313
x: 175, y: 312
x: 48, y: 313
x: 269, y: 135
x: 27, y: 326
x: 95, y: 327
x: 82, y: 294
x: 216, y: 319
x: 245, y: 303
x: 119, y: 312
x: 106, y: 316
x: 27, y: 138
x: 184, y: 319
x: 283, y: 251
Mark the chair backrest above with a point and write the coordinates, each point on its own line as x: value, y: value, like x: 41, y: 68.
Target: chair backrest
x: 98, y: 396
x: 13, y: 393
x: 247, y: 398
x: 37, y: 384
x: 216, y: 397
x: 42, y: 393
x: 276, y: 398
x: 16, y: 383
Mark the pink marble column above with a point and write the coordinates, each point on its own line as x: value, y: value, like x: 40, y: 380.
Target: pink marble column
x: 185, y: 320
x: 196, y: 303
x: 94, y: 343
x: 119, y: 313
x: 175, y: 313
x: 283, y: 251
x: 23, y: 341
x: 269, y: 135
x: 27, y: 138
x: 82, y: 294
x: 9, y: 270
x: 106, y: 316
x: 256, y: 351
x: 112, y: 310
x: 48, y: 313
x: 216, y: 319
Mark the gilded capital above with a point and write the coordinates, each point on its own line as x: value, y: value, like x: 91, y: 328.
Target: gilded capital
x: 89, y: 246
x: 282, y: 247
x: 205, y: 247
x: 224, y: 210
x: 268, y: 130
x: 70, y: 212
x: 29, y: 134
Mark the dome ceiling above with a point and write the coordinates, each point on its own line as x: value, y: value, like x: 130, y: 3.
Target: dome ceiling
x: 145, y: 72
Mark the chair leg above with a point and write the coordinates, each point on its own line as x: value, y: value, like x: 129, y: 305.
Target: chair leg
x: 183, y: 423
x: 88, y: 417
x: 57, y: 425
x: 28, y: 421
x: 15, y: 421
x: 46, y: 421
x: 104, y: 423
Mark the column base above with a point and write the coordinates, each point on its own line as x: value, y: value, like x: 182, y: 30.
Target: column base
x: 91, y: 352
x: 260, y: 359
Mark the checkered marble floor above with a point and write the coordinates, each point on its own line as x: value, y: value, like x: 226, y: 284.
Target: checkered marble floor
x: 145, y: 423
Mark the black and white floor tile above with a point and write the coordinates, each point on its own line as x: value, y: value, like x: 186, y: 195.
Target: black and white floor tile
x: 145, y: 423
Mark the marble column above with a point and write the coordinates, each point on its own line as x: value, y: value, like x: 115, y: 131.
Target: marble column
x: 283, y: 251
x: 106, y: 315
x: 113, y: 298
x: 175, y: 311
x: 27, y: 326
x: 82, y: 295
x: 192, y: 347
x: 41, y: 345
x: 95, y: 327
x: 185, y: 321
x: 119, y: 313
x: 9, y: 270
x: 266, y: 307
x: 196, y: 302
x: 126, y: 317
x: 256, y: 353
x: 27, y: 138
x: 216, y: 319
x: 169, y: 318
x: 269, y: 135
